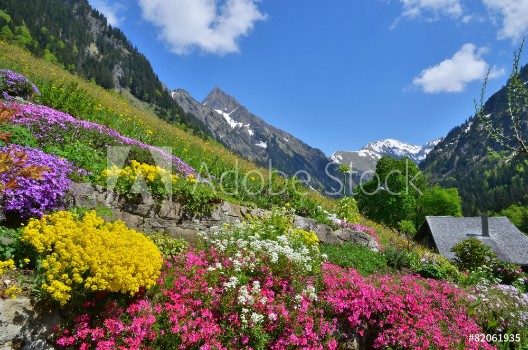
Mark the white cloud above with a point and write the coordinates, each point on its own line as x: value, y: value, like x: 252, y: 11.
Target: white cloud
x: 203, y: 24
x: 514, y: 14
x: 455, y: 73
x: 417, y: 8
x: 109, y: 10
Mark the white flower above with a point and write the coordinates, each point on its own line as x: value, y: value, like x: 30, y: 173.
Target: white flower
x: 256, y: 286
x: 232, y: 283
x: 272, y: 316
x: 256, y: 318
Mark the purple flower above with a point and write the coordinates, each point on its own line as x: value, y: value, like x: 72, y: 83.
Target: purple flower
x: 44, y: 120
x: 33, y: 197
x: 15, y: 84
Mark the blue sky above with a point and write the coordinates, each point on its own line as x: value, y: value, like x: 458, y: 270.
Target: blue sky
x: 339, y: 73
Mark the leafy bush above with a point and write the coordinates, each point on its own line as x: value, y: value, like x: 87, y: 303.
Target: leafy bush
x: 81, y: 254
x: 437, y: 267
x: 398, y: 257
x: 471, y: 254
x: 11, y: 247
x: 167, y: 245
x: 359, y: 257
x: 198, y: 198
x: 15, y: 84
x: 507, y: 273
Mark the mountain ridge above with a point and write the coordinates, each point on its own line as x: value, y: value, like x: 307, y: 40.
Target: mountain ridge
x: 250, y: 136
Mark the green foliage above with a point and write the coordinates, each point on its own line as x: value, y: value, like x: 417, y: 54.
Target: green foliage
x: 438, y: 201
x: 356, y: 256
x: 407, y: 227
x: 6, y: 33
x: 5, y: 16
x: 437, y: 267
x: 69, y: 98
x: 392, y: 194
x: 11, y: 247
x: 471, y: 254
x: 347, y: 209
x: 518, y: 215
x: 198, y: 198
x: 167, y: 245
x: 398, y: 257
x: 399, y: 193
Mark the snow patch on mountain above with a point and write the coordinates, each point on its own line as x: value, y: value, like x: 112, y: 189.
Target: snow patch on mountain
x: 261, y: 144
x: 227, y: 117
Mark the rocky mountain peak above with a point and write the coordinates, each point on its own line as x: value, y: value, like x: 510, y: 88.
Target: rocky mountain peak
x: 220, y: 100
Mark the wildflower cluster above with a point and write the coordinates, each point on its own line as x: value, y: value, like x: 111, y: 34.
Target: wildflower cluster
x: 4, y: 265
x: 86, y: 253
x: 272, y: 241
x: 217, y: 301
x: 109, y: 326
x: 15, y: 84
x: 501, y: 308
x: 34, y: 195
x: 50, y: 125
x: 159, y: 181
x: 405, y: 312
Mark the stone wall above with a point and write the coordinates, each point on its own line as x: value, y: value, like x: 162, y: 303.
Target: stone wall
x: 169, y: 217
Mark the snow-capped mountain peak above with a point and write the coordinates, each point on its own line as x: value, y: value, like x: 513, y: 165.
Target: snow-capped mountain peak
x: 367, y: 157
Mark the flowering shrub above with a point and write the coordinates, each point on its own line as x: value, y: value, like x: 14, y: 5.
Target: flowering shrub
x: 507, y: 273
x: 347, y: 210
x: 308, y: 237
x: 404, y: 312
x: 14, y: 84
x: 437, y: 267
x: 109, y: 326
x: 87, y: 254
x: 472, y: 253
x: 34, y: 195
x: 502, y: 308
x: 272, y: 241
x: 213, y: 300
x: 159, y: 181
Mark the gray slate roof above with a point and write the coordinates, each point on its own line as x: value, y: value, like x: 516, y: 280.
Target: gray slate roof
x: 510, y: 244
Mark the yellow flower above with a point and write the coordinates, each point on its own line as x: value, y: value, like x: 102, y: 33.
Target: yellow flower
x: 73, y: 247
